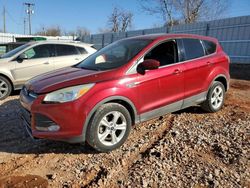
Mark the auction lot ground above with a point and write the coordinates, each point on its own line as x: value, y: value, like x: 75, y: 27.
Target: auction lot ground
x: 183, y: 149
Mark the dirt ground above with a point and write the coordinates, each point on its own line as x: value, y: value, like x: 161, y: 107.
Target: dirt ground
x: 190, y: 148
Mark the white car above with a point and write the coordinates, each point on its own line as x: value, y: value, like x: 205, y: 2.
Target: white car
x: 35, y: 58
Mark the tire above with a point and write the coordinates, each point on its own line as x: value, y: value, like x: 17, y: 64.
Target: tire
x: 215, y: 98
x: 5, y: 88
x: 109, y: 128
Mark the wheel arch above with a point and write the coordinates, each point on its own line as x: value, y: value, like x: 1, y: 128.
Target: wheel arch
x: 221, y: 78
x: 127, y: 103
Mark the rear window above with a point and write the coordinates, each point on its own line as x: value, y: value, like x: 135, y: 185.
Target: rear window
x: 81, y: 50
x: 209, y: 46
x: 63, y: 50
x: 193, y: 48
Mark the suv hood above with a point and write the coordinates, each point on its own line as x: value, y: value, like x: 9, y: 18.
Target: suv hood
x: 65, y: 77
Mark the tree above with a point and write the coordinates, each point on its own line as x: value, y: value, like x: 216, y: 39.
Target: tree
x: 120, y: 20
x: 185, y: 11
x: 82, y: 31
x: 165, y: 8
x: 50, y: 31
x: 126, y: 20
x: 113, y: 20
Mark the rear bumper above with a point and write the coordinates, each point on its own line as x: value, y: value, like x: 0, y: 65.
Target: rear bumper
x: 67, y: 116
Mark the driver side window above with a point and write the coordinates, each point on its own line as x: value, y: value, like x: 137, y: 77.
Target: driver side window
x: 166, y: 53
x: 30, y: 53
x: 41, y: 51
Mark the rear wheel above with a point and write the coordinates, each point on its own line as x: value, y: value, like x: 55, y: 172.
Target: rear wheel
x: 215, y: 98
x: 5, y: 88
x: 109, y: 127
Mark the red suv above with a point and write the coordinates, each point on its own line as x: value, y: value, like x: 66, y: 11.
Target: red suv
x: 126, y: 82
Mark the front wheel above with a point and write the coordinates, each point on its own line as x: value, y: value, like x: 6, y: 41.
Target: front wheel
x: 5, y: 88
x: 109, y: 127
x: 215, y: 97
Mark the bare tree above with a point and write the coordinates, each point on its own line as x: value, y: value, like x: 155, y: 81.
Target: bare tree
x: 190, y: 9
x: 82, y: 31
x: 215, y: 9
x: 164, y: 8
x: 113, y: 20
x: 126, y: 20
x: 120, y: 20
x: 185, y: 11
x: 50, y: 31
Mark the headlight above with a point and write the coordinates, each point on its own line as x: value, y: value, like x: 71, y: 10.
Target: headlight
x: 68, y: 94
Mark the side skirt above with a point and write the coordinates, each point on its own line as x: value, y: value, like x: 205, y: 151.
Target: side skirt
x: 190, y: 101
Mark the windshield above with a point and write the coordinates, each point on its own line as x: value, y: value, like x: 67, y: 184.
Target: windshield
x: 114, y: 55
x: 15, y: 51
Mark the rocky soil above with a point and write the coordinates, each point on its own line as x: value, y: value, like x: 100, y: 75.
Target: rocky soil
x: 189, y: 148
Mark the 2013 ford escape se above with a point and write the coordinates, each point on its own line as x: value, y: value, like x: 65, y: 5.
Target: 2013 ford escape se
x: 127, y: 82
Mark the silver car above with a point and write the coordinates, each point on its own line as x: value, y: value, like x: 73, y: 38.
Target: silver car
x: 34, y: 58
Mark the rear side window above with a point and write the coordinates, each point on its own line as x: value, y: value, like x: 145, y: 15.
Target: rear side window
x: 210, y: 47
x: 63, y: 50
x: 193, y: 48
x: 81, y: 50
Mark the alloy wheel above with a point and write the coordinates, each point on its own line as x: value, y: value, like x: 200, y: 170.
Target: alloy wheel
x: 112, y: 128
x: 217, y: 97
x: 3, y: 88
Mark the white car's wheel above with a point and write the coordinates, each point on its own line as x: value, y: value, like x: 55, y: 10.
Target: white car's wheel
x: 5, y: 88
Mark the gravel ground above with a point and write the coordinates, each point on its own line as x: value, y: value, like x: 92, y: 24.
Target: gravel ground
x: 189, y: 148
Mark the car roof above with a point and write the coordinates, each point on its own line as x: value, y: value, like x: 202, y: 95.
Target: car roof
x: 75, y: 43
x: 163, y: 36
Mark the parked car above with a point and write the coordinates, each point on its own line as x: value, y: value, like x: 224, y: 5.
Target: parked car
x: 6, y: 47
x: 127, y: 82
x: 34, y: 58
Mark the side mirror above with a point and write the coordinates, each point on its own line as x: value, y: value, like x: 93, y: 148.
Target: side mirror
x: 148, y: 64
x: 21, y: 57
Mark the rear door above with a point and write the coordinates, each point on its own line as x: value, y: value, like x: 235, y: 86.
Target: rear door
x: 39, y: 60
x: 66, y: 55
x: 197, y: 66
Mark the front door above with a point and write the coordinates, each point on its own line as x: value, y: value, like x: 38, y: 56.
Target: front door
x: 162, y: 90
x: 38, y: 62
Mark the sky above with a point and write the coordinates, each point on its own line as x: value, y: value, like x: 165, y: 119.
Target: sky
x: 92, y: 14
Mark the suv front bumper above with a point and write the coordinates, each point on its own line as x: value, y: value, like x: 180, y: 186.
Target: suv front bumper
x: 37, y: 116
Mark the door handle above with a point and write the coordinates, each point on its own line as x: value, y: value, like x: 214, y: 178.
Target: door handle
x: 133, y: 84
x: 177, y: 71
x: 46, y: 63
x: 209, y: 63
x: 77, y: 59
